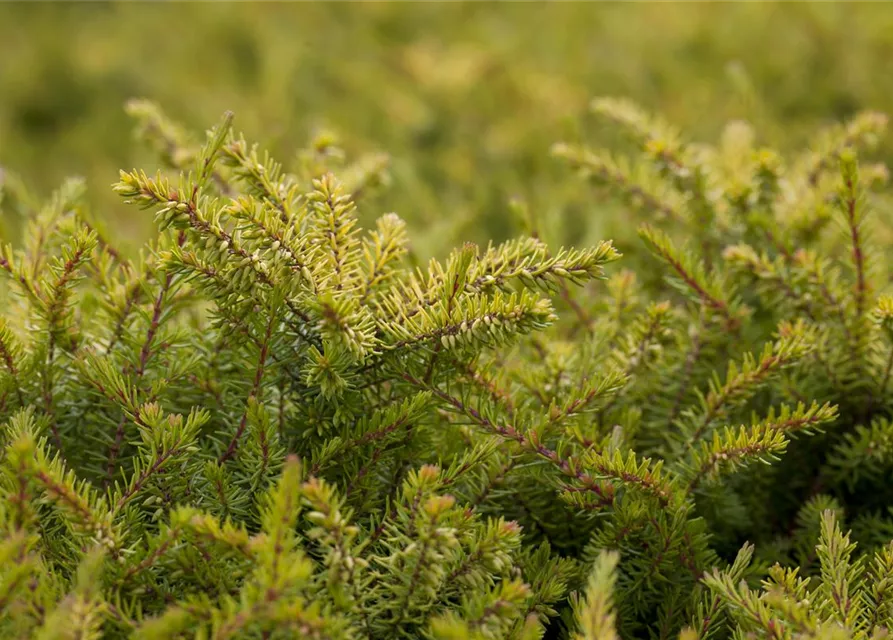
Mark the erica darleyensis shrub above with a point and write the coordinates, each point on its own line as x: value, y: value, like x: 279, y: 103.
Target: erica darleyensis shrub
x: 276, y: 424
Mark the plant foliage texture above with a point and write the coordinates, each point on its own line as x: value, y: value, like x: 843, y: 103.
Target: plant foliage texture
x: 275, y: 424
x: 474, y: 91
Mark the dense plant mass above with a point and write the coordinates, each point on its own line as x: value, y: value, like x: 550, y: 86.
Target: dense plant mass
x: 463, y: 97
x: 276, y: 424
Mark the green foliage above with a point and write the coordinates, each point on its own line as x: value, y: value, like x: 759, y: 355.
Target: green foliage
x: 850, y: 600
x: 279, y: 422
x: 452, y: 93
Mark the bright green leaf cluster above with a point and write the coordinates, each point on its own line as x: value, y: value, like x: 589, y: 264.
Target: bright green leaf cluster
x: 277, y: 423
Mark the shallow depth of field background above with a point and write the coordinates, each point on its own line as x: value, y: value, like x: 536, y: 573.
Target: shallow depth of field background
x: 466, y: 99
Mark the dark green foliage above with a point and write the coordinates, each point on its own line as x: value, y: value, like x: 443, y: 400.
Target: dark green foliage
x: 275, y: 423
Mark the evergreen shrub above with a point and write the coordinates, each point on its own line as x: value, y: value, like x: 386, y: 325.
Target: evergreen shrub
x: 463, y: 97
x: 276, y: 424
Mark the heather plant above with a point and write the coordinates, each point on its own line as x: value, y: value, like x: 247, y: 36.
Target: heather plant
x: 276, y: 423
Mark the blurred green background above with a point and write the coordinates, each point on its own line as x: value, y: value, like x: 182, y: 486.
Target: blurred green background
x: 465, y: 98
